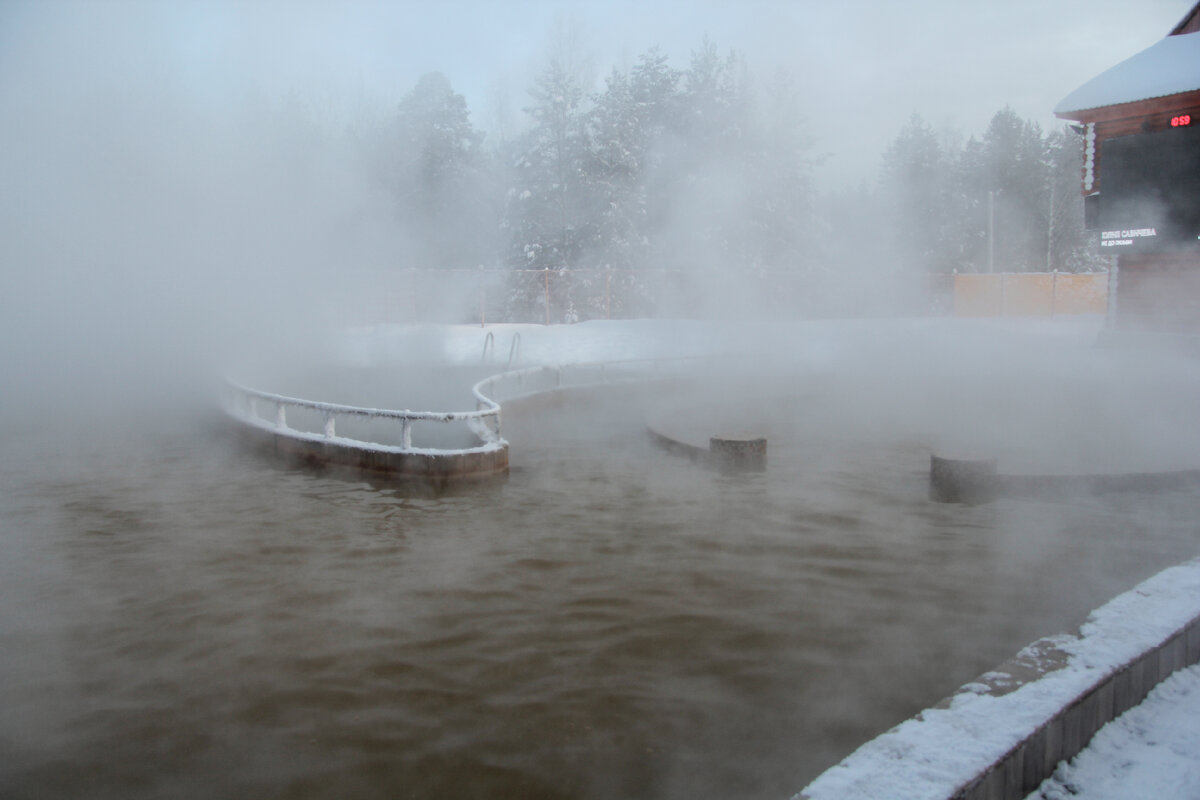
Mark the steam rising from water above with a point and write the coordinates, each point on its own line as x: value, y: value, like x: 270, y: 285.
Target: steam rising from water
x: 602, y: 626
x: 168, y: 201
x: 179, y: 618
x: 155, y: 221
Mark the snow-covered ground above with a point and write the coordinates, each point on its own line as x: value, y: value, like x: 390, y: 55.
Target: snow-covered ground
x: 1150, y: 751
x: 606, y: 340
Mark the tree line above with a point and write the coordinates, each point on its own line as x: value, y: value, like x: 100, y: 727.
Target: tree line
x: 709, y: 168
x: 1007, y: 201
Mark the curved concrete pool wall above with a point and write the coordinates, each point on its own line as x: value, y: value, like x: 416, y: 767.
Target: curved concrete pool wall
x: 426, y: 467
x: 401, y: 463
x: 673, y: 443
x: 974, y: 480
x: 527, y: 388
x: 999, y: 737
x: 727, y: 454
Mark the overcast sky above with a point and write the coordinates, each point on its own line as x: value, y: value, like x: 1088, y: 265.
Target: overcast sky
x: 863, y: 66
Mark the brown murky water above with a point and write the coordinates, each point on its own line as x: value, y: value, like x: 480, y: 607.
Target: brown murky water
x: 179, y: 619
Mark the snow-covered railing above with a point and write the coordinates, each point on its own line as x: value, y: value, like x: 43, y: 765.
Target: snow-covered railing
x: 317, y: 422
x: 269, y: 412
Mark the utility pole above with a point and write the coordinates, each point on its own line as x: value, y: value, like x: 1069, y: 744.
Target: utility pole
x: 991, y: 231
x: 1050, y: 231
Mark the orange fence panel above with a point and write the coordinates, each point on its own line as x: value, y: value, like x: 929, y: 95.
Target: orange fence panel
x: 1030, y: 294
x: 978, y: 295
x: 1081, y: 294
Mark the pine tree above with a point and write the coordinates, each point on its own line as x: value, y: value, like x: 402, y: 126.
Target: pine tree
x: 548, y: 213
x: 707, y: 177
x: 917, y: 187
x: 1014, y: 162
x: 439, y: 176
x: 654, y: 89
x: 779, y: 164
x: 714, y: 98
x: 1070, y: 248
x: 614, y: 176
x: 548, y: 205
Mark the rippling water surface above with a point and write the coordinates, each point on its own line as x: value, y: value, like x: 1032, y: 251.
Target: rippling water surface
x: 181, y: 619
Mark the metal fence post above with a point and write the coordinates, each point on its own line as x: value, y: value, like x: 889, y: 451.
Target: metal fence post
x: 608, y: 294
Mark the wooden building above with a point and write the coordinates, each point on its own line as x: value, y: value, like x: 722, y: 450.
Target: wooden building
x: 1141, y: 179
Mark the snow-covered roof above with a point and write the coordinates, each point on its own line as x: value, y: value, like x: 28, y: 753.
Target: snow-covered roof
x: 1169, y: 67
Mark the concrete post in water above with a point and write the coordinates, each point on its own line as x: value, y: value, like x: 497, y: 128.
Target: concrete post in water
x: 738, y: 454
x: 962, y: 480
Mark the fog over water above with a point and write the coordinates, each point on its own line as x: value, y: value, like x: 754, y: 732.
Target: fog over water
x: 181, y: 618
x: 178, y: 178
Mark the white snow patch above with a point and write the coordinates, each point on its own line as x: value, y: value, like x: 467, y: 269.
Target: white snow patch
x: 615, y: 340
x: 1152, y: 750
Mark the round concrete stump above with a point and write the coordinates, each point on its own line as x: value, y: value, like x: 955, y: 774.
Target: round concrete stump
x: 962, y: 480
x: 739, y: 454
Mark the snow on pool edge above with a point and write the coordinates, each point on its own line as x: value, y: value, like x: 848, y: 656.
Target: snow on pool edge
x: 940, y: 751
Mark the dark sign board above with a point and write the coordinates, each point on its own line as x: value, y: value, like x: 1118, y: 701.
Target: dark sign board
x: 1149, y: 199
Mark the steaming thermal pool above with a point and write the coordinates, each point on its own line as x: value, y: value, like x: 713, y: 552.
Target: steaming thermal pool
x: 179, y: 618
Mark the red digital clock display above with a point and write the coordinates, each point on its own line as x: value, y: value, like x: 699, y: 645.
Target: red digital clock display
x: 1181, y: 120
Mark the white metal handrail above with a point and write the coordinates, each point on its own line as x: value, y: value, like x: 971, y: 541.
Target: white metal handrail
x: 244, y: 403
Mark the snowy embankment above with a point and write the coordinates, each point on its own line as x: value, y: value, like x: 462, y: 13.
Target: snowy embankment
x: 1003, y: 735
x: 1152, y: 750
x: 612, y: 340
